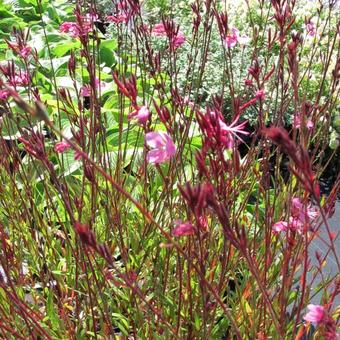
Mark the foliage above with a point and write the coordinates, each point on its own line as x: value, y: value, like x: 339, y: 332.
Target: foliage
x: 149, y: 187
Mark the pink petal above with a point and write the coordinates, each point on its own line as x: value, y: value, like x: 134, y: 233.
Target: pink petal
x: 156, y: 156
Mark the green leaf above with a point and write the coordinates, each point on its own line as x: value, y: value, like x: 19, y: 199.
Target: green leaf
x: 62, y: 49
x: 106, y: 52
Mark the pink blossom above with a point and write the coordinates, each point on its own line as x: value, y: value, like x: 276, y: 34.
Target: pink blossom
x: 299, y: 219
x: 91, y: 17
x: 301, y: 213
x: 163, y: 148
x: 21, y: 49
x: 234, y: 128
x: 142, y: 114
x: 159, y: 30
x: 311, y: 29
x: 260, y: 94
x: 183, y: 229
x: 178, y: 40
x: 117, y: 19
x: 25, y: 51
x: 4, y: 94
x: 21, y: 79
x: 230, y: 41
x: 280, y: 226
x: 85, y: 90
x: 62, y: 147
x: 297, y: 123
x: 315, y: 314
x: 71, y: 28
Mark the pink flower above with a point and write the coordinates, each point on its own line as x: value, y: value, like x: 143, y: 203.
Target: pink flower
x: 85, y: 90
x: 230, y: 41
x: 71, y: 28
x: 159, y: 30
x: 62, y: 147
x: 260, y: 94
x: 233, y: 128
x: 311, y: 29
x: 117, y: 19
x: 227, y: 132
x: 316, y: 313
x: 183, y: 229
x: 4, y: 94
x: 142, y: 114
x: 301, y: 213
x: 178, y: 40
x: 21, y: 79
x: 300, y: 217
x: 297, y: 123
x: 25, y: 51
x: 280, y: 226
x: 163, y: 148
x: 21, y: 49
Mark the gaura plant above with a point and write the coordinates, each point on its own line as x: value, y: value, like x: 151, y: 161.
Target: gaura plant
x: 160, y: 169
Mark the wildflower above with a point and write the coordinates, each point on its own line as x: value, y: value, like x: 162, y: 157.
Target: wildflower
x: 260, y: 94
x: 233, y: 128
x: 300, y: 217
x: 142, y: 114
x: 159, y: 30
x: 183, y: 229
x: 20, y: 48
x: 178, y: 40
x: 25, y: 51
x: 117, y: 19
x: 85, y: 90
x: 297, y: 123
x: 231, y: 40
x: 80, y: 28
x: 280, y: 226
x: 163, y: 148
x: 20, y: 79
x: 316, y: 313
x: 301, y: 213
x: 310, y: 29
x: 4, y: 94
x: 227, y: 130
x: 71, y: 28
x: 62, y: 147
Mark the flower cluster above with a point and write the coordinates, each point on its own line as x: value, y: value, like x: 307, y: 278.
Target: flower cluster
x: 232, y: 39
x: 177, y: 37
x: 300, y: 219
